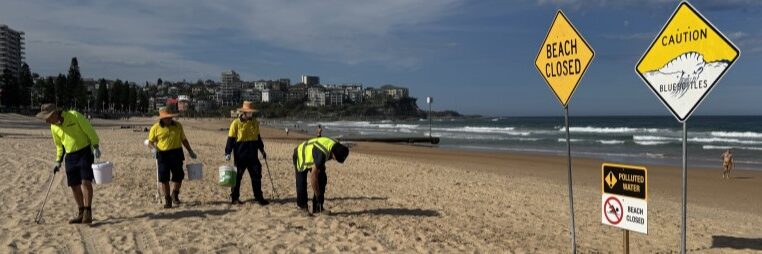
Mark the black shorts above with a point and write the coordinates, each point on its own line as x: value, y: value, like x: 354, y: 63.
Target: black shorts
x: 171, y: 165
x: 79, y: 166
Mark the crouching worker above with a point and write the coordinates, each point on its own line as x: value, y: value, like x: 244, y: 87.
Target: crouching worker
x: 77, y: 143
x: 168, y: 137
x: 309, y: 161
x: 244, y: 141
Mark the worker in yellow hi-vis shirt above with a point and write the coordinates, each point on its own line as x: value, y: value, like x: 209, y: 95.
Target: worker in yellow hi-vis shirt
x: 244, y: 141
x: 168, y: 137
x: 77, y: 143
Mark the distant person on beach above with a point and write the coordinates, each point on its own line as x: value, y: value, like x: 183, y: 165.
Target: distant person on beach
x: 244, y: 141
x: 309, y: 162
x: 168, y: 137
x: 727, y: 163
x: 319, y: 131
x: 77, y: 143
x: 286, y: 131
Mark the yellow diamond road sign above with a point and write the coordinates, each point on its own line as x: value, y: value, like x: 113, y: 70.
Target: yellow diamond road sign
x: 611, y: 180
x: 563, y: 58
x: 685, y: 60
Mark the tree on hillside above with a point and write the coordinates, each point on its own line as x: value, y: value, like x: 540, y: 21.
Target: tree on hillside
x: 10, y: 88
x: 124, y: 95
x: 101, y: 97
x: 132, y: 97
x: 48, y: 90
x: 61, y: 94
x: 114, y: 94
x: 143, y: 101
x: 76, y: 90
x: 26, y: 85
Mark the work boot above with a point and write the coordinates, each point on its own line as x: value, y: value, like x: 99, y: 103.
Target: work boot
x: 316, y: 207
x: 78, y: 219
x: 262, y: 202
x: 167, y: 202
x: 176, y: 197
x: 87, y: 216
x: 303, y: 211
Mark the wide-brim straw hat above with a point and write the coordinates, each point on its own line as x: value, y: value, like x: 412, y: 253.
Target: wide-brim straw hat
x: 247, y: 107
x: 165, y: 112
x: 46, y: 110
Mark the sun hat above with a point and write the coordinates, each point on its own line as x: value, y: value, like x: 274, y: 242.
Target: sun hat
x: 46, y: 110
x: 165, y: 112
x: 247, y: 107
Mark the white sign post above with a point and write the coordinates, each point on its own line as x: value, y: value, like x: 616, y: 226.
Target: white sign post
x: 624, y: 199
x: 681, y: 67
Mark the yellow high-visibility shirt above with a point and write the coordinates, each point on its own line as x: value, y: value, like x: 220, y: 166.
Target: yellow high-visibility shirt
x: 167, y: 138
x: 73, y: 134
x: 244, y: 131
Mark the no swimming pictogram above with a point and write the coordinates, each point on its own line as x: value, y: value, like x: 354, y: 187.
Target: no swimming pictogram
x: 613, y: 210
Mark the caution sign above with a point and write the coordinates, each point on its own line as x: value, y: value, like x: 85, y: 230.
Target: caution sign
x: 685, y: 61
x: 624, y: 197
x: 563, y: 58
x: 624, y: 180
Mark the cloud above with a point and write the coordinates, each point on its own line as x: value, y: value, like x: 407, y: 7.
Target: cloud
x: 709, y: 5
x: 153, y: 38
x: 628, y: 37
x: 348, y: 31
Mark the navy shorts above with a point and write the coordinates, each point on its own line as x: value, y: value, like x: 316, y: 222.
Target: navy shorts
x: 171, y: 165
x: 79, y: 166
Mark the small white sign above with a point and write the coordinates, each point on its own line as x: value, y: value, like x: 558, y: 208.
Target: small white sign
x: 429, y: 99
x: 625, y: 212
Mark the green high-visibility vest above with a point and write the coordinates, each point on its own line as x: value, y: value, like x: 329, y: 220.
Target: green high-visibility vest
x: 305, y: 159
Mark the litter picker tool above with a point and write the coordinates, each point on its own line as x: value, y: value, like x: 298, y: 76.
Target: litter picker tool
x: 38, y: 218
x: 271, y: 178
x: 158, y: 185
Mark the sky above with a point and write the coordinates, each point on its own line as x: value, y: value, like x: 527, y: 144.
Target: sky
x: 475, y: 57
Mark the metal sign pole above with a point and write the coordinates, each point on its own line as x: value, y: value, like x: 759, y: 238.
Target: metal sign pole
x: 571, y: 193
x: 685, y: 186
x: 430, y: 118
x: 626, y: 242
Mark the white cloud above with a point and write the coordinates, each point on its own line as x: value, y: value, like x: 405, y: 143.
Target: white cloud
x: 145, y: 37
x: 707, y: 4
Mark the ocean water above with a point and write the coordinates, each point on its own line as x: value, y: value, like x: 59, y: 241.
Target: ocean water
x: 632, y: 139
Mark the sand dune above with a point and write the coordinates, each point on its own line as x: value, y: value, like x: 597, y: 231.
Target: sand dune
x: 385, y: 198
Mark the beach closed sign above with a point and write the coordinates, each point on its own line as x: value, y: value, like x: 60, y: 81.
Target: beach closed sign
x: 686, y: 60
x: 624, y: 197
x: 563, y: 58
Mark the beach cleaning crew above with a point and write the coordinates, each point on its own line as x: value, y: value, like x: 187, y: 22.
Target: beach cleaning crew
x: 76, y: 144
x: 168, y: 137
x: 309, y: 162
x: 243, y: 142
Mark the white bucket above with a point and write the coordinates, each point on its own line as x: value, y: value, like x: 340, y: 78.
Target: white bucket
x: 195, y: 171
x: 103, y: 172
x: 227, y: 176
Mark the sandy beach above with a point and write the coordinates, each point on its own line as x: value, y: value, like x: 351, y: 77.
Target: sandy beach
x: 385, y: 198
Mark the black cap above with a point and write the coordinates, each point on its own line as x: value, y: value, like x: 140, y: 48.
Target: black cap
x: 340, y: 152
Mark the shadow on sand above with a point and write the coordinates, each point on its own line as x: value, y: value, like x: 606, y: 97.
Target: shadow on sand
x: 185, y: 214
x: 721, y: 241
x: 331, y: 199
x: 392, y: 212
x: 169, y: 215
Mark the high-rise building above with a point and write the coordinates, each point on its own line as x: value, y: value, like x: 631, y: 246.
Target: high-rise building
x: 11, y: 49
x: 310, y: 80
x: 230, y: 89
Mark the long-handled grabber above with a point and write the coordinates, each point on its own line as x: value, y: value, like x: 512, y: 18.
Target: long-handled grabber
x: 271, y: 178
x: 38, y: 218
